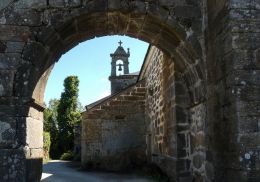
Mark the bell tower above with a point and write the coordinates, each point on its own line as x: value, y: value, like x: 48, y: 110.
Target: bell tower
x: 120, y: 64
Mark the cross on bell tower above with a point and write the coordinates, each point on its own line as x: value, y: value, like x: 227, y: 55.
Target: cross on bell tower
x: 120, y: 43
x: 120, y: 54
x: 117, y: 80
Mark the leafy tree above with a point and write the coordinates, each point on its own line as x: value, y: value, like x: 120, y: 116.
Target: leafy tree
x: 80, y: 107
x: 51, y: 126
x: 68, y: 114
x: 46, y: 144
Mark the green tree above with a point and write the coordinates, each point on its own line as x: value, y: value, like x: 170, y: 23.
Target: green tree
x: 68, y: 113
x: 51, y: 126
x: 46, y: 144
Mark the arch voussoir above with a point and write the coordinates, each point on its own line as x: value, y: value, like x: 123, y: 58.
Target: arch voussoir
x: 34, y: 34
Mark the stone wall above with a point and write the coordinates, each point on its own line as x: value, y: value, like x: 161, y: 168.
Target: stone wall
x: 160, y: 112
x: 176, y: 116
x: 77, y: 142
x: 113, y: 132
x: 119, y: 83
x: 215, y: 48
x: 233, y: 89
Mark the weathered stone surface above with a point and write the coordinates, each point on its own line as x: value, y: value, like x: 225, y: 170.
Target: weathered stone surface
x: 12, y: 165
x: 64, y: 3
x: 15, y: 33
x: 6, y: 86
x: 8, y: 132
x: 34, y: 4
x: 113, y: 137
x: 34, y: 136
x: 215, y: 49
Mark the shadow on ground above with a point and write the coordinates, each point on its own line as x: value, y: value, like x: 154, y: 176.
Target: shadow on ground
x: 62, y: 171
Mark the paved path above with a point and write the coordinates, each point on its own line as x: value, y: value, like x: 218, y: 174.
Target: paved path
x: 60, y: 171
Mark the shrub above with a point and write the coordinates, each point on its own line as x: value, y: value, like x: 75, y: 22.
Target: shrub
x: 46, y: 144
x: 67, y: 156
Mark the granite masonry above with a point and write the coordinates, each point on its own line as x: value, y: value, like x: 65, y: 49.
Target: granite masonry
x: 205, y: 125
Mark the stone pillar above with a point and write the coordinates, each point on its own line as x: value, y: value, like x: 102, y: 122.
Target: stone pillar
x: 244, y: 83
x: 34, y: 142
x: 113, y: 67
x: 21, y: 140
x: 126, y: 67
x: 233, y: 90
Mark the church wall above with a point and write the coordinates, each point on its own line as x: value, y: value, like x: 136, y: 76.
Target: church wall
x: 161, y: 112
x: 113, y: 133
x: 120, y: 83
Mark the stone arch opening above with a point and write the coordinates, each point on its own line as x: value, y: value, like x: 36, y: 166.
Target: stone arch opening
x: 150, y: 22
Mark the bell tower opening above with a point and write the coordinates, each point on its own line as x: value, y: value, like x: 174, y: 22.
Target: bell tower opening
x: 120, y: 77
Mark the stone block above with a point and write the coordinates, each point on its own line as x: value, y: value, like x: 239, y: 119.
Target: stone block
x: 244, y: 78
x: 170, y: 3
x: 8, y: 132
x: 33, y: 169
x: 20, y: 16
x: 36, y: 53
x: 64, y: 3
x: 187, y: 11
x: 245, y: 4
x: 96, y: 6
x: 34, y: 4
x: 247, y: 93
x: 14, y: 47
x: 36, y: 153
x: 244, y: 14
x: 249, y: 140
x: 245, y: 26
x: 15, y: 33
x: 34, y: 133
x: 4, y: 3
x: 250, y: 41
x: 35, y: 114
x: 2, y: 47
x: 114, y: 4
x: 198, y: 160
x: 249, y: 124
x: 10, y: 61
x: 181, y: 115
x: 12, y: 165
x: 6, y: 83
x: 241, y: 59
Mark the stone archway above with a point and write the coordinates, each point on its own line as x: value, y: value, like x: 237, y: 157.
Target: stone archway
x: 34, y: 34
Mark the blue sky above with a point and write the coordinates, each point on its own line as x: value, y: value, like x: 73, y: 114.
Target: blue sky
x: 90, y: 61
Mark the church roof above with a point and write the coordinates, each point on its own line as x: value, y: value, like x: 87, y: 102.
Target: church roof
x: 107, y: 98
x: 120, y: 51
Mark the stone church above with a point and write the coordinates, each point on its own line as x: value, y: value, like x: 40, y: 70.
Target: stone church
x: 135, y: 125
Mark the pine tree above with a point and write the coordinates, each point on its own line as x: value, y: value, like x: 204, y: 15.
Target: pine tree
x: 68, y: 114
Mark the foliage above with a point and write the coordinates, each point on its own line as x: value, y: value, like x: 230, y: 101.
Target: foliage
x: 46, y: 144
x: 51, y: 126
x: 80, y: 107
x: 67, y: 113
x: 67, y: 156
